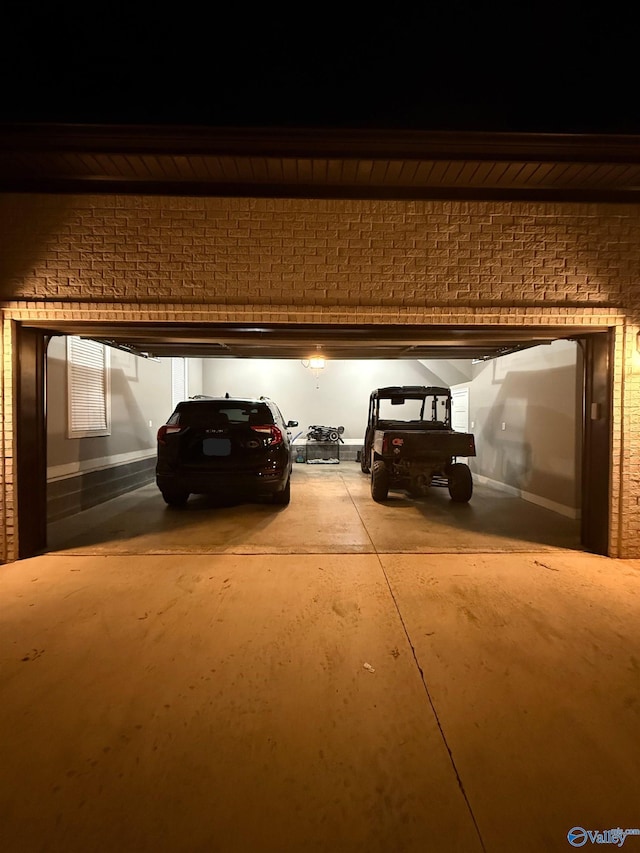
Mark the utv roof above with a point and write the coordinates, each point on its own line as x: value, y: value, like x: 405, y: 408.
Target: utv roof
x: 411, y: 392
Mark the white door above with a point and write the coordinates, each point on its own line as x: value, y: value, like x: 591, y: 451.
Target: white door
x: 460, y: 412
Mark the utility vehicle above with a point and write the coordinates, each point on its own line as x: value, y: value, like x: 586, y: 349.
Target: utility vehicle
x: 409, y: 443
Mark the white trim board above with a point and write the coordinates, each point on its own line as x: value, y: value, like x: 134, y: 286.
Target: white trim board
x: 561, y: 509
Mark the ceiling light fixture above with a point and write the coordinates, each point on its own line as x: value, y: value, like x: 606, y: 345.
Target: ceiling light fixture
x: 315, y: 363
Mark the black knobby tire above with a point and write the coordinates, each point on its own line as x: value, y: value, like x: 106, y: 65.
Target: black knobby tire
x: 379, y: 481
x: 175, y: 498
x: 284, y: 497
x: 365, y: 457
x: 460, y: 483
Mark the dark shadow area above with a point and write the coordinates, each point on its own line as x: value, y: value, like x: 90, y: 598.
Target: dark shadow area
x: 491, y: 513
x: 435, y: 67
x: 142, y: 514
x: 27, y: 223
x: 207, y: 503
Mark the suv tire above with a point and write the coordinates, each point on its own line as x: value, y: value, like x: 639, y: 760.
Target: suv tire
x: 175, y: 498
x: 284, y: 497
x: 460, y: 483
x: 379, y: 481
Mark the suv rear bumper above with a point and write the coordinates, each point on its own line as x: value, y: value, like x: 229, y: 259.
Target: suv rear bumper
x: 253, y: 483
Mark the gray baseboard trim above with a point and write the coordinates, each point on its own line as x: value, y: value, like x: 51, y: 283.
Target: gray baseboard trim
x: 69, y: 495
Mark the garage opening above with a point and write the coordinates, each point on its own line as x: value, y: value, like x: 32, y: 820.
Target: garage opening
x: 524, y: 402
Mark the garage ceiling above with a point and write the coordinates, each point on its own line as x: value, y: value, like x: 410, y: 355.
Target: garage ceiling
x: 318, y: 164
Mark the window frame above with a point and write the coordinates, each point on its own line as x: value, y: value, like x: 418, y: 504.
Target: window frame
x: 185, y: 379
x: 75, y: 391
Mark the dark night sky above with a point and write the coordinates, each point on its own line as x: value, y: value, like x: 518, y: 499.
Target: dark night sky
x: 449, y: 66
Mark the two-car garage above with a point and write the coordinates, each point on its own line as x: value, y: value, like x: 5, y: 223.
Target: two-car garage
x: 524, y: 402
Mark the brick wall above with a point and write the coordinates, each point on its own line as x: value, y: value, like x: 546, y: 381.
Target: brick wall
x: 317, y: 253
x: 114, y: 257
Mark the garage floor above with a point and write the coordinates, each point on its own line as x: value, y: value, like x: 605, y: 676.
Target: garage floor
x: 331, y: 512
x: 276, y: 694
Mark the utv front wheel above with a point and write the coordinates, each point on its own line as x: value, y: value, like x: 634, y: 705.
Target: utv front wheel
x: 379, y: 481
x: 460, y: 483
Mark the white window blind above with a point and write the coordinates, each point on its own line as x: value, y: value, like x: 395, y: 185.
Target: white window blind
x: 88, y: 388
x: 179, y: 380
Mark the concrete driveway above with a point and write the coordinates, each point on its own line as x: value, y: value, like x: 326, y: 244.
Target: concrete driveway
x: 345, y: 700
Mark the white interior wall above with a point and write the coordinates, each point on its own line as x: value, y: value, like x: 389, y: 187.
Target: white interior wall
x: 140, y: 403
x: 194, y: 376
x: 525, y: 413
x: 338, y: 397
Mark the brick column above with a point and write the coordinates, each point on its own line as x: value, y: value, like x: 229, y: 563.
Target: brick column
x: 625, y: 461
x: 8, y: 544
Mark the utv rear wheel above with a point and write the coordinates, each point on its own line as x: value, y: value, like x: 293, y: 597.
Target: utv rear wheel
x: 283, y: 498
x: 460, y: 483
x: 175, y: 498
x: 379, y: 481
x: 365, y: 457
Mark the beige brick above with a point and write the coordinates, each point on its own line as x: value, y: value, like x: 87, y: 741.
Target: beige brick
x: 361, y: 261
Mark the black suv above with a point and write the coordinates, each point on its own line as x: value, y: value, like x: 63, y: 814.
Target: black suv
x: 225, y: 446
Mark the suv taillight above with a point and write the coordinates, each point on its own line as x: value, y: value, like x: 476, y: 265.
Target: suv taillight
x: 166, y: 430
x: 273, y: 432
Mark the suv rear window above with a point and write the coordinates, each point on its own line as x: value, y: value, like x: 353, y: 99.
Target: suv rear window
x: 220, y: 411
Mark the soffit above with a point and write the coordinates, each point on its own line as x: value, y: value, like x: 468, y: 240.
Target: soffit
x: 321, y: 163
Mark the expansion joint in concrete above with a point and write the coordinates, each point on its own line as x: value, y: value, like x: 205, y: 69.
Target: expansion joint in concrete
x: 423, y: 679
x: 432, y: 704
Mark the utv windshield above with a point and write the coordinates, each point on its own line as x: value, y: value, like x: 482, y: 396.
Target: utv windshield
x: 433, y: 407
